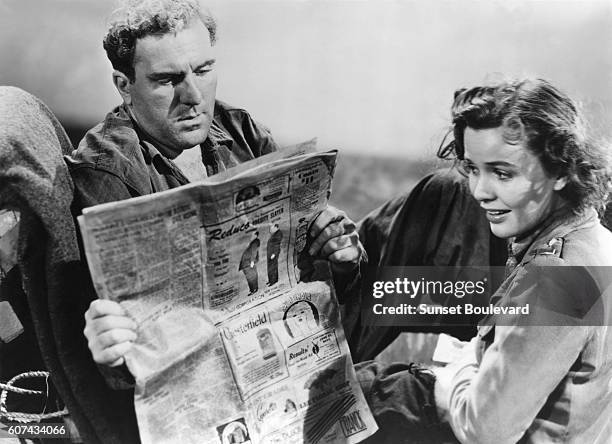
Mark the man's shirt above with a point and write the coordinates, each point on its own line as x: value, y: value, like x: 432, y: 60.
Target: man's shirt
x: 116, y: 161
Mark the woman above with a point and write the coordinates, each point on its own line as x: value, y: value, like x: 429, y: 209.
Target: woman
x: 546, y: 376
x: 540, y: 377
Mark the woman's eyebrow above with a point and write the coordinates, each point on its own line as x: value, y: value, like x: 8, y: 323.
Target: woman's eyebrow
x: 500, y: 163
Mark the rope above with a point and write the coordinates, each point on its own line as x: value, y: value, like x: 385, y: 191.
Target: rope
x: 33, y: 417
x: 26, y: 417
x: 22, y: 391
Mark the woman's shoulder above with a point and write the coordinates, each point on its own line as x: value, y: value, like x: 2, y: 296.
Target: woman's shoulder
x: 589, y: 245
x: 568, y: 276
x: 579, y: 241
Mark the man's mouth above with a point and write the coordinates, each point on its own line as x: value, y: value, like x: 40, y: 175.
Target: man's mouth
x: 189, y: 117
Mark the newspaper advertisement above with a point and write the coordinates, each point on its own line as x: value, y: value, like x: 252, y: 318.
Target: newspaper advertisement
x: 239, y: 337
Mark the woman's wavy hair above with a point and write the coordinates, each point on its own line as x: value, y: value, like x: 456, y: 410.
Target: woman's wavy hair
x: 548, y: 122
x: 136, y: 19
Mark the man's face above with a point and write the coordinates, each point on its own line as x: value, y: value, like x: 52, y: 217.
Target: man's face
x: 172, y: 96
x: 302, y: 315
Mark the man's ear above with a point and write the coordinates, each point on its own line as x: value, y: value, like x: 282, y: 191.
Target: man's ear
x: 123, y: 85
x: 560, y: 183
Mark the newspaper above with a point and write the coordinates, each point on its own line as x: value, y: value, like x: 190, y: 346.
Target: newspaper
x: 239, y: 333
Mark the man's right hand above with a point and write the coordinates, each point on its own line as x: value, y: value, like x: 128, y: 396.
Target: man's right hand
x: 110, y: 332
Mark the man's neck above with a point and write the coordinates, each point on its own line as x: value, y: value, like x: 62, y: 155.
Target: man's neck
x: 163, y: 148
x: 189, y: 161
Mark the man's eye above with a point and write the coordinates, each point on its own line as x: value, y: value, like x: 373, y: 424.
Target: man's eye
x: 203, y: 71
x: 164, y: 81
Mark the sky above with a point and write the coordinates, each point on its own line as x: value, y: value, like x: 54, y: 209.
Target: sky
x: 373, y: 76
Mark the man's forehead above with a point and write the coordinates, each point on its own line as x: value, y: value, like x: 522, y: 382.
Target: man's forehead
x: 173, y: 50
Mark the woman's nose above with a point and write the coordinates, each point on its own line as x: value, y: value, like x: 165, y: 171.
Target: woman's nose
x: 481, y: 188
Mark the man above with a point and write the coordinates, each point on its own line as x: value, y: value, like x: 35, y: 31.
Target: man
x: 273, y: 250
x: 169, y: 130
x: 165, y: 72
x: 248, y: 263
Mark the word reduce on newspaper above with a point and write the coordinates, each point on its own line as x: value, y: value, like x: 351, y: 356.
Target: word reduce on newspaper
x: 239, y: 332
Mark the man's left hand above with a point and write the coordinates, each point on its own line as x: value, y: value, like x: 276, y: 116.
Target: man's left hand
x: 335, y: 238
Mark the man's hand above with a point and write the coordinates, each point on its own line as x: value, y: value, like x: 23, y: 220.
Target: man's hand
x: 109, y: 331
x: 335, y: 238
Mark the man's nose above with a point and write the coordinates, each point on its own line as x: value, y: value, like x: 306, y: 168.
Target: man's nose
x: 190, y: 93
x: 482, y: 188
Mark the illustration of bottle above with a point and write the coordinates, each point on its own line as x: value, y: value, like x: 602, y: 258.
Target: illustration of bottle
x: 266, y: 343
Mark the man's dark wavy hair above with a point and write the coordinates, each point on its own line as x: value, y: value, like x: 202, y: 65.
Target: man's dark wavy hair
x: 136, y: 19
x: 548, y: 122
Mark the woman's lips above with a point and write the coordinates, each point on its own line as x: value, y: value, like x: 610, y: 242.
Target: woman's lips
x: 496, y: 216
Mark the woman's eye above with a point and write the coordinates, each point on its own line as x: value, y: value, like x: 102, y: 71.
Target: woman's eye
x: 468, y: 168
x: 502, y: 175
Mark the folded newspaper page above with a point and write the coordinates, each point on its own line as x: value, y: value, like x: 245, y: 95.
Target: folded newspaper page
x: 239, y: 339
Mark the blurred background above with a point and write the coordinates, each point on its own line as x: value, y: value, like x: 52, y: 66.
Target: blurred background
x: 373, y: 78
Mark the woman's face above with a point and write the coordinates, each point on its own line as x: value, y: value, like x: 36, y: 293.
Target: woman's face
x: 509, y: 182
